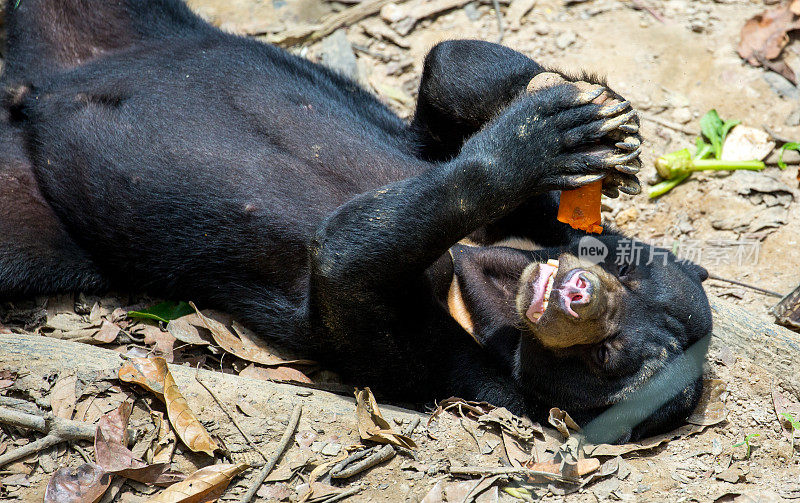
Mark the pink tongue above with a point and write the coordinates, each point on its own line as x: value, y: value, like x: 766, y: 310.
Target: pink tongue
x: 539, y: 287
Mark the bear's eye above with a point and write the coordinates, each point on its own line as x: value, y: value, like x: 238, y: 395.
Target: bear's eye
x: 601, y: 355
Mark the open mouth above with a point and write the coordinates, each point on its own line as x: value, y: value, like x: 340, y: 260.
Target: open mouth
x: 542, y: 288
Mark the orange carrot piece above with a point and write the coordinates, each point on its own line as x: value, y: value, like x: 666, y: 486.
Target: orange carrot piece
x: 580, y: 208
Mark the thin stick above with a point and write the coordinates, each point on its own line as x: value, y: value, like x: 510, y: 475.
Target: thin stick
x: 468, y: 496
x: 502, y: 470
x: 288, y: 434
x: 372, y: 457
x: 341, y: 496
x: 233, y: 419
x: 739, y: 283
x: 500, y: 29
x: 641, y: 5
x: 31, y: 448
x: 667, y: 123
x: 81, y: 452
x: 57, y: 430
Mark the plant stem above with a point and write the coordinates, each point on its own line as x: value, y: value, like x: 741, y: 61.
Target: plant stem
x: 662, y: 188
x: 717, y: 165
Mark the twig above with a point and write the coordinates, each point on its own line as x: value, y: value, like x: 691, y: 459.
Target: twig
x: 468, y: 496
x: 77, y: 448
x: 288, y: 434
x: 500, y: 29
x: 57, y: 430
x: 341, y: 496
x: 232, y: 418
x: 347, y: 17
x: 31, y: 448
x: 752, y: 287
x: 372, y: 457
x: 667, y: 123
x: 641, y: 5
x: 502, y: 470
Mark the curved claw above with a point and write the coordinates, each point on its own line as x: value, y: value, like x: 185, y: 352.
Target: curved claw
x: 612, y: 110
x: 586, y: 97
x: 629, y: 128
x: 629, y: 143
x: 615, y: 160
x: 627, y: 169
x: 580, y: 180
x: 617, y: 122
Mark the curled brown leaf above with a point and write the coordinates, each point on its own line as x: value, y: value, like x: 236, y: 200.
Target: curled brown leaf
x: 371, y: 424
x: 204, y: 485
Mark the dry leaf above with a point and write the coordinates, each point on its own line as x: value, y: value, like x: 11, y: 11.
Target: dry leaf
x: 462, y: 408
x: 784, y: 405
x: 153, y: 374
x: 610, y: 467
x: 318, y: 490
x: 562, y: 421
x: 7, y: 378
x: 108, y: 332
x: 186, y: 424
x: 372, y: 426
x: 520, y: 427
x: 62, y: 396
x: 435, y: 495
x: 710, y: 409
x: 765, y: 35
x: 585, y: 466
x: 164, y: 341
x: 515, y: 453
x: 164, y: 445
x: 243, y: 348
x: 146, y: 372
x: 282, y: 374
x: 204, y: 485
x: 113, y: 457
x: 85, y: 484
x: 185, y: 331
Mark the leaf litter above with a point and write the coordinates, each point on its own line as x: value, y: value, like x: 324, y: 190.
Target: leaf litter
x: 153, y: 374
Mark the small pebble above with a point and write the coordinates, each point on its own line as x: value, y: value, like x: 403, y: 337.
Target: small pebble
x: 566, y: 39
x: 331, y: 449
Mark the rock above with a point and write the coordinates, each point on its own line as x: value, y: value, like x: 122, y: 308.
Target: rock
x: 762, y: 189
x: 317, y: 446
x: 734, y: 475
x: 472, y: 11
x: 566, y: 39
x: 541, y: 29
x: 745, y: 143
x: 337, y: 54
x: 331, y: 449
x: 627, y: 216
x: 782, y: 86
x: 681, y: 115
x: 793, y: 119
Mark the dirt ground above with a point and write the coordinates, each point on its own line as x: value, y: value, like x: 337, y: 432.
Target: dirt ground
x: 741, y: 226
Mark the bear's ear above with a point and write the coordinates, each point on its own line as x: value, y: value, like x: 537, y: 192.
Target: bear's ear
x: 698, y: 270
x: 483, y: 292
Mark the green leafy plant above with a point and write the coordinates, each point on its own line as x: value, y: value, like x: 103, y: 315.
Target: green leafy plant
x: 677, y: 166
x: 165, y: 311
x: 787, y: 146
x: 746, y: 442
x: 795, y: 424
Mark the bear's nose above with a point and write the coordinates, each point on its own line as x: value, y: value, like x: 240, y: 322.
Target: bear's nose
x: 576, y: 291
